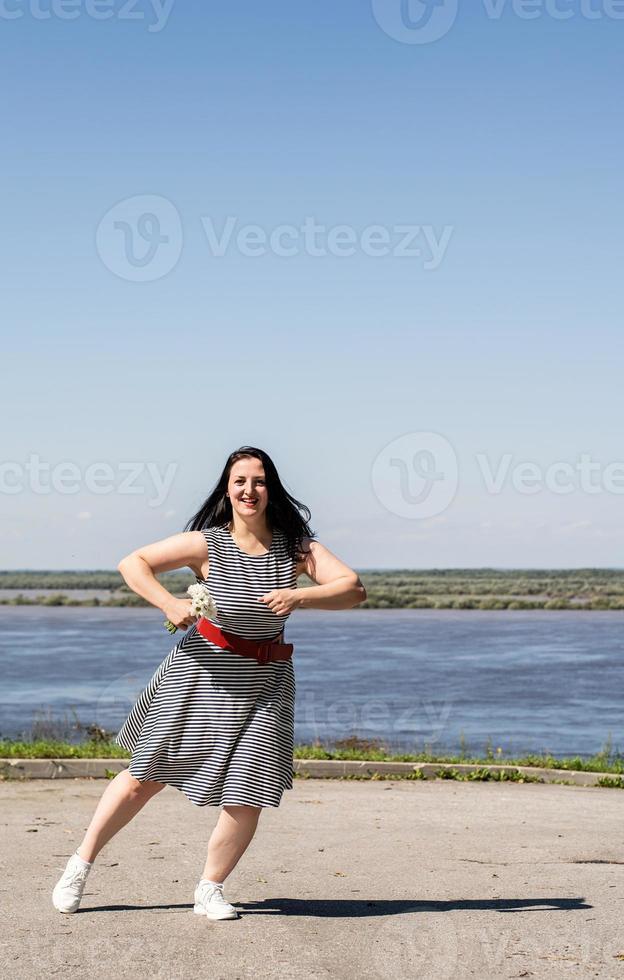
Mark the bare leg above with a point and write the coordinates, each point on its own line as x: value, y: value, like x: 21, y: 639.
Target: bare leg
x: 120, y: 802
x: 229, y: 840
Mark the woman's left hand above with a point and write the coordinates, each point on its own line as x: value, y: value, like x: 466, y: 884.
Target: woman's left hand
x: 281, y: 601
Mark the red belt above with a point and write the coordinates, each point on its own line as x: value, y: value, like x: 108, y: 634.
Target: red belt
x: 262, y: 651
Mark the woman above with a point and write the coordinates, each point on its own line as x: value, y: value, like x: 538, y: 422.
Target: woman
x: 216, y: 720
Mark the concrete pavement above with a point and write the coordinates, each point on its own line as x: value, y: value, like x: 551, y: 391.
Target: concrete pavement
x: 367, y: 879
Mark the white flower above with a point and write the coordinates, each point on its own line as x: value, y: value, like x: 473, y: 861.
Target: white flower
x: 202, y: 603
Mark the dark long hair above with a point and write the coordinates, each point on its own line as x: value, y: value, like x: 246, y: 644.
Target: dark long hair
x: 283, y: 510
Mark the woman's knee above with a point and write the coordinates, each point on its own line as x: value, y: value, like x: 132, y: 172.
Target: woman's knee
x: 242, y: 809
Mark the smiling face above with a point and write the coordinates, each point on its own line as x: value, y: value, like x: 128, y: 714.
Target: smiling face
x: 247, y: 488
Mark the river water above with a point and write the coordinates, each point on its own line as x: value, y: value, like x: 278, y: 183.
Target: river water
x: 528, y: 681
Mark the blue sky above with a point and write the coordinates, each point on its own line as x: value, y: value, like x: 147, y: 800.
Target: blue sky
x: 456, y: 313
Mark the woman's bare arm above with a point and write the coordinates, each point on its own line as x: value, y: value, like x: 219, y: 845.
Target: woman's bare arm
x: 338, y: 586
x: 139, y: 568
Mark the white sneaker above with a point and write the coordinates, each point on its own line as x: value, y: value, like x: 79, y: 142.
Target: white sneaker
x: 68, y: 890
x: 209, y: 901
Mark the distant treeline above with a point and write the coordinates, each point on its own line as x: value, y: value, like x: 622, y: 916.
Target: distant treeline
x: 478, y: 588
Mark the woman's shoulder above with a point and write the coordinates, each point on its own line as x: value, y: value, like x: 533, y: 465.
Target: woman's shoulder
x: 212, y: 536
x: 212, y: 530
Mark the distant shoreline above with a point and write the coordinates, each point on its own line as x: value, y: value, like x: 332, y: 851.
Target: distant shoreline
x: 467, y: 603
x: 589, y: 589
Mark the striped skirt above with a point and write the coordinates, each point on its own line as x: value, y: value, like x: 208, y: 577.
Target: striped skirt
x: 217, y: 726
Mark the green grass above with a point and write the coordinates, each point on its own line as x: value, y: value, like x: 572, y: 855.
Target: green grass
x: 604, y: 761
x: 51, y: 749
x: 350, y: 749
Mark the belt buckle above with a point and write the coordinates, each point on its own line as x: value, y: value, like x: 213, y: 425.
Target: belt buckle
x: 264, y: 653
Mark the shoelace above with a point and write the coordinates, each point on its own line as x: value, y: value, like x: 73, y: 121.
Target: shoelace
x: 78, y: 876
x: 210, y: 892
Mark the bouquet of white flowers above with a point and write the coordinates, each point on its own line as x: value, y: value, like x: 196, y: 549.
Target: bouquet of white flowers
x: 202, y: 604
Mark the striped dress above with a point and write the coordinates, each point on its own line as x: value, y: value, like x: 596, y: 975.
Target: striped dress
x: 216, y: 725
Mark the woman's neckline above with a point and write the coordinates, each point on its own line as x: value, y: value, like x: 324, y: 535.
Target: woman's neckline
x: 246, y: 553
